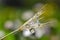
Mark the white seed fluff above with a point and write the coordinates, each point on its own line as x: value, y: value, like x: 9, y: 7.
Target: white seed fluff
x: 34, y: 24
x: 27, y: 15
x: 39, y: 33
x: 2, y: 33
x: 26, y: 33
x: 17, y: 24
x: 37, y: 6
x: 8, y: 24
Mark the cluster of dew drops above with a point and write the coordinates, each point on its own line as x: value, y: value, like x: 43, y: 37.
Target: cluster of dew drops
x: 32, y: 29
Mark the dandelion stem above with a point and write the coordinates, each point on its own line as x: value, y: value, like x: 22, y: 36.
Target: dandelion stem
x: 41, y: 12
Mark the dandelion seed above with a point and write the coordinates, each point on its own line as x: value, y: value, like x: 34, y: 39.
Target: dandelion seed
x: 8, y: 24
x: 21, y: 28
x: 27, y: 15
x: 17, y: 23
x: 39, y: 32
x: 26, y: 33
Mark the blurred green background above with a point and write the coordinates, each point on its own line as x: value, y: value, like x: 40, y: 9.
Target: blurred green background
x: 14, y: 13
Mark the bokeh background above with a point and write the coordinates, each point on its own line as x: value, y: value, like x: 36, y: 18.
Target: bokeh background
x: 13, y: 13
